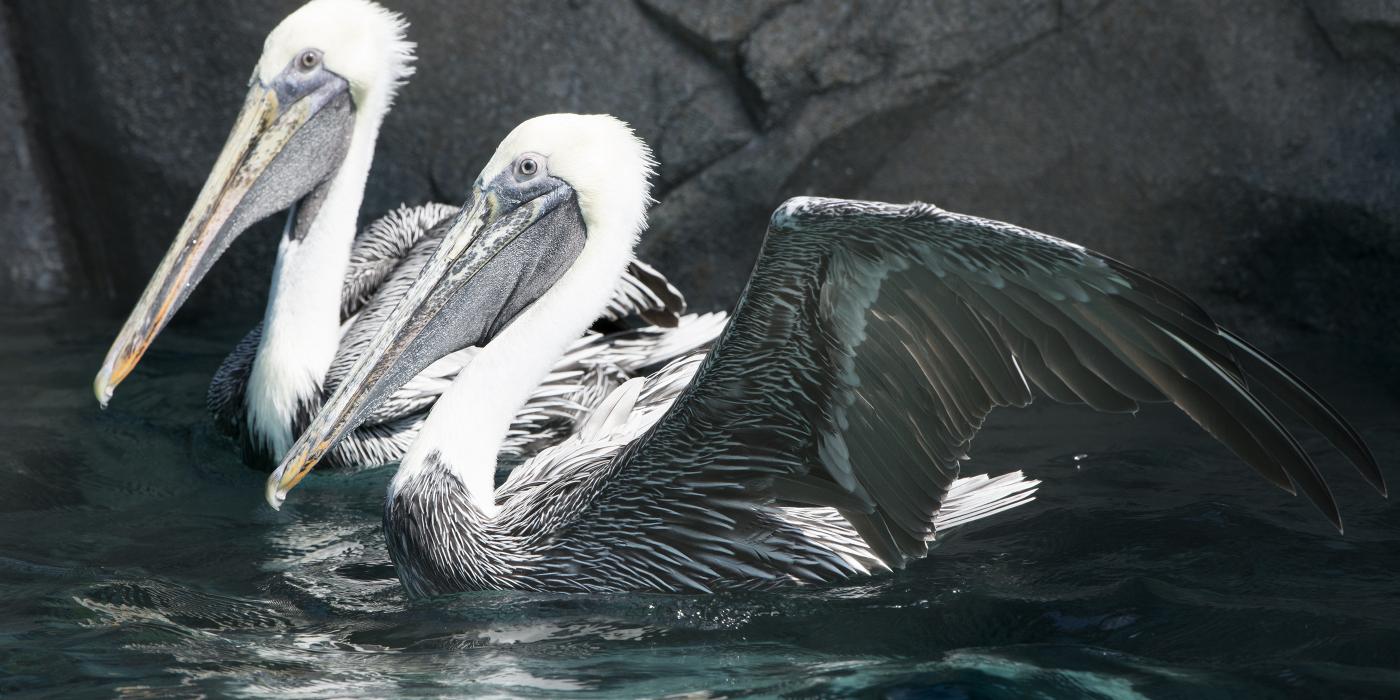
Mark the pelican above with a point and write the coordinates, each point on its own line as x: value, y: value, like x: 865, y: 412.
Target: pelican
x: 820, y: 439
x: 304, y: 142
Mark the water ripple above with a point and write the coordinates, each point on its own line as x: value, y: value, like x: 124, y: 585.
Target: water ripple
x: 136, y: 559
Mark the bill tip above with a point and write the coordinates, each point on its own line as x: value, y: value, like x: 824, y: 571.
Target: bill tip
x: 102, y: 389
x: 274, y: 494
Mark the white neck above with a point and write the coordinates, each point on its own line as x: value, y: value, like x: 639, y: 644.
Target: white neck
x: 469, y: 422
x: 301, y: 327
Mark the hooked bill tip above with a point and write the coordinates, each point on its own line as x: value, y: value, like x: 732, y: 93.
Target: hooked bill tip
x: 102, y: 389
x: 273, y: 493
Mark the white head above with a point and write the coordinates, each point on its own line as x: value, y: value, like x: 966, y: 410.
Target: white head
x: 356, y: 39
x: 597, y: 155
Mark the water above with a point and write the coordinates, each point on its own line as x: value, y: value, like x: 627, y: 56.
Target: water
x: 137, y: 559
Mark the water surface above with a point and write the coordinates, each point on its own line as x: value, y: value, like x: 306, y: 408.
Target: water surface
x: 137, y: 558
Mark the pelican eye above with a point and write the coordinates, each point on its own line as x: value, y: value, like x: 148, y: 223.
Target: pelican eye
x: 309, y: 59
x: 526, y: 168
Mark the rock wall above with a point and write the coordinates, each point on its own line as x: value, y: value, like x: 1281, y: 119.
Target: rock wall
x: 1248, y: 151
x: 36, y: 263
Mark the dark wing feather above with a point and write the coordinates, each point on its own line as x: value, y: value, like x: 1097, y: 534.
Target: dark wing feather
x: 874, y: 339
x: 225, y: 397
x: 382, y: 247
x: 643, y: 294
x: 387, y: 259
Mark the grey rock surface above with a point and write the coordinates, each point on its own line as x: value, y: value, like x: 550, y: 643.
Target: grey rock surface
x: 36, y: 265
x: 1248, y: 152
x: 1360, y: 28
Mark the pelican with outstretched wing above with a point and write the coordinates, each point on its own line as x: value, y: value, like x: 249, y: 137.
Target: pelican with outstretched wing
x: 821, y: 438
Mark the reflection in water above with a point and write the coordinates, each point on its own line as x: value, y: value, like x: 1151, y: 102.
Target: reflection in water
x: 136, y: 558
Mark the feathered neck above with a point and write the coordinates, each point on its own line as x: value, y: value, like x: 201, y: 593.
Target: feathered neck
x: 302, y: 325
x: 469, y: 422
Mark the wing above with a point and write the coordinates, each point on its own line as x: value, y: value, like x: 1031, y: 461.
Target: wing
x: 869, y: 346
x: 225, y: 397
x: 627, y: 412
x: 386, y: 260
x: 592, y: 368
x: 647, y: 294
x: 383, y: 247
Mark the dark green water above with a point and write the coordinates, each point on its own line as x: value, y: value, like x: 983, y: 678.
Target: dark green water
x: 138, y: 559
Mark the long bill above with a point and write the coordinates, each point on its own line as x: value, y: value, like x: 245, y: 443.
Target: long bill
x: 497, y: 258
x: 268, y: 122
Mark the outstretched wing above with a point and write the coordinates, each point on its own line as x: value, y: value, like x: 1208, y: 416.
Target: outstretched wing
x: 871, y: 343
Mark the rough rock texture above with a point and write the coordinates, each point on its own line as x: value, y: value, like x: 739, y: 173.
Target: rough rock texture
x: 35, y: 265
x: 1247, y: 151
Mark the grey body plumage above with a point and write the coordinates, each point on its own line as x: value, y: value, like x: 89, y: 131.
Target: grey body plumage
x: 822, y: 437
x: 385, y: 260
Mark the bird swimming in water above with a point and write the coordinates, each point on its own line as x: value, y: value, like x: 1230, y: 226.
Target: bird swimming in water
x: 822, y: 437
x: 304, y: 142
